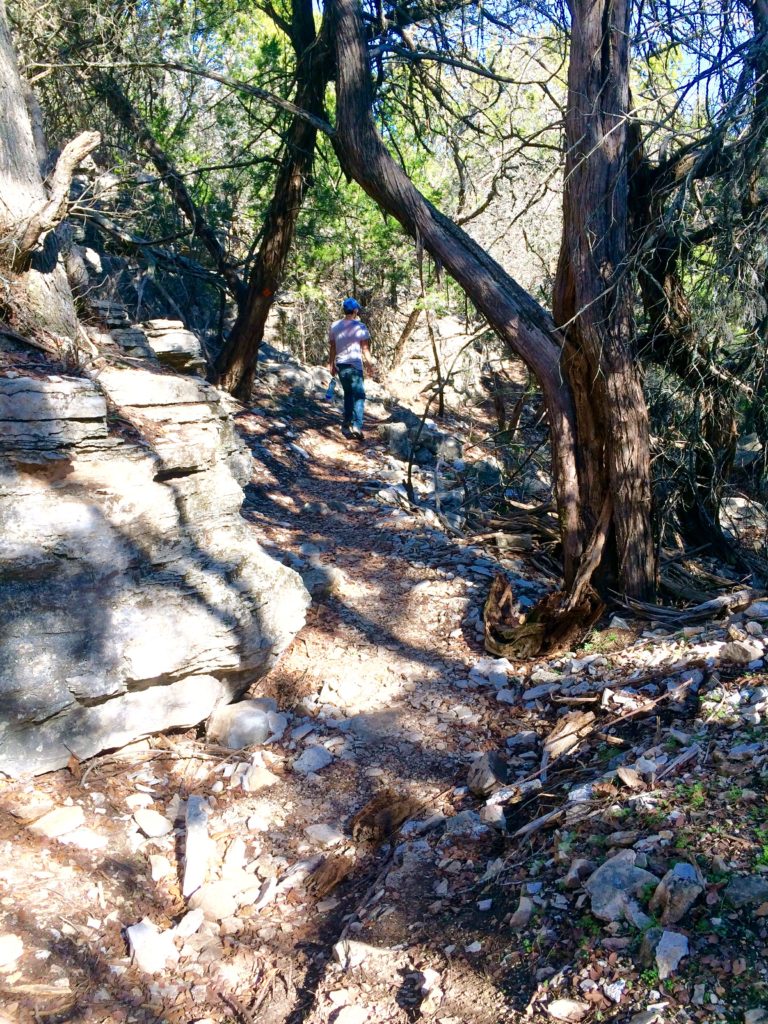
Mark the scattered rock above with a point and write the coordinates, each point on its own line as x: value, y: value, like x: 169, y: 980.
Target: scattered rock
x: 485, y: 773
x: 351, y: 1015
x: 741, y: 652
x: 59, y: 821
x: 676, y: 893
x: 748, y: 891
x: 257, y: 777
x: 11, y: 948
x: 325, y: 835
x: 614, y: 884
x: 197, y: 845
x: 241, y: 725
x: 314, y: 759
x: 568, y: 1010
x: 152, y: 823
x: 579, y: 869
x: 670, y: 951
x: 522, y: 915
x: 151, y: 948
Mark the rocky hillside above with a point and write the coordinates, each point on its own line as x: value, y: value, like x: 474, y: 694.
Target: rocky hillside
x: 135, y: 596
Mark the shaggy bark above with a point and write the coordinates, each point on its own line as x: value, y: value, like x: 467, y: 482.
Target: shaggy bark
x: 36, y: 297
x: 593, y: 295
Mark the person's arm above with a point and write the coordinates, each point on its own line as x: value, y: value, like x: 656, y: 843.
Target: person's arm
x: 365, y: 345
x: 332, y: 356
x: 368, y: 359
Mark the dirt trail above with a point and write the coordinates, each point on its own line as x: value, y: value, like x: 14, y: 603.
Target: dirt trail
x: 378, y: 888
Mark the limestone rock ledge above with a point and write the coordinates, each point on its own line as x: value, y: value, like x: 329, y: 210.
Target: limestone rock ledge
x: 133, y: 595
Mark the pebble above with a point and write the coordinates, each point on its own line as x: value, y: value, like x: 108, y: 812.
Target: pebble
x: 152, y: 823
x: 257, y: 777
x: 59, y: 821
x: 150, y: 948
x: 11, y: 948
x: 197, y: 845
x: 670, y: 951
x: 522, y: 915
x: 314, y: 759
x: 325, y: 835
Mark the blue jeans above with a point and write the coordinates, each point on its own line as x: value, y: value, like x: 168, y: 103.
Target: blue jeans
x: 354, y: 395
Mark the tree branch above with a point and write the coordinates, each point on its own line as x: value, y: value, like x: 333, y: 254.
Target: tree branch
x: 27, y: 233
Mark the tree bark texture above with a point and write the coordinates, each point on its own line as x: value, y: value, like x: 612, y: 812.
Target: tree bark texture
x: 236, y: 364
x: 593, y: 296
x: 35, y: 295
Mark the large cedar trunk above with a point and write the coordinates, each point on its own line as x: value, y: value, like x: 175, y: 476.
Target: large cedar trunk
x: 236, y: 364
x: 594, y: 298
x: 587, y: 468
x: 36, y: 298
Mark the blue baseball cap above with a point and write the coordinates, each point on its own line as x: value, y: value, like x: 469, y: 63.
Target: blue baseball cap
x: 350, y: 305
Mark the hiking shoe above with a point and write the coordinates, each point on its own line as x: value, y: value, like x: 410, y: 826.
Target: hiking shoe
x: 356, y: 434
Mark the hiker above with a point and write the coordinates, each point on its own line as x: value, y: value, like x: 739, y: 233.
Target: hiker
x: 350, y: 348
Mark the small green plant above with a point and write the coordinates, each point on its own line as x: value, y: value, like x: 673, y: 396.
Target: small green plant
x: 589, y: 925
x: 650, y: 977
x: 761, y: 838
x: 695, y: 795
x: 647, y: 891
x: 682, y: 841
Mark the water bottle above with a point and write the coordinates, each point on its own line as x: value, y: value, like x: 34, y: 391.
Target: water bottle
x: 331, y: 389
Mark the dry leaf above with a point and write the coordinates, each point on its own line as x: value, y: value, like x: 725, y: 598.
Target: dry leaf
x: 568, y: 1010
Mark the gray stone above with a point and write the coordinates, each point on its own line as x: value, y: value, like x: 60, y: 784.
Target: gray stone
x: 676, y: 893
x: 485, y: 773
x: 59, y: 821
x: 174, y: 345
x: 325, y: 835
x: 197, y: 845
x: 236, y: 726
x: 522, y: 915
x: 579, y: 869
x: 151, y: 948
x: 536, y: 692
x: 614, y: 883
x: 314, y: 759
x: 741, y: 652
x: 758, y: 610
x: 670, y: 951
x: 152, y: 823
x: 527, y: 740
x: 178, y: 608
x: 748, y: 891
x: 505, y: 696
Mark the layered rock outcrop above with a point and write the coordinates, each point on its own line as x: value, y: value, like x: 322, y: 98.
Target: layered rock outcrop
x: 133, y: 595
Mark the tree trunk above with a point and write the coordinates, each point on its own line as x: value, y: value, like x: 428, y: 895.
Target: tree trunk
x: 36, y: 298
x: 581, y: 478
x: 593, y: 297
x: 236, y: 364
